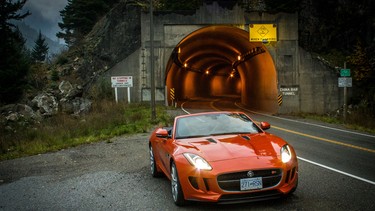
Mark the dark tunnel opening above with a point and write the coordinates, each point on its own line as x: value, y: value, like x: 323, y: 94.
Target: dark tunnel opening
x: 220, y: 60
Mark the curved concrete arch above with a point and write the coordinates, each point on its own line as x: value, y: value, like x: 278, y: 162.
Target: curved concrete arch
x: 235, y: 67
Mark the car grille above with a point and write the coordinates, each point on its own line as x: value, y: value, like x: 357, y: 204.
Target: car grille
x: 231, y: 181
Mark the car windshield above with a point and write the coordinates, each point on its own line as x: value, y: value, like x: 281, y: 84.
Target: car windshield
x: 214, y: 124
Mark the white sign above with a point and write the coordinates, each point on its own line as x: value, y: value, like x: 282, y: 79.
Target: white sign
x: 345, y: 82
x: 122, y: 81
x: 291, y: 91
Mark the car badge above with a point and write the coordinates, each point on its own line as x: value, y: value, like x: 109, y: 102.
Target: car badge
x: 250, y: 173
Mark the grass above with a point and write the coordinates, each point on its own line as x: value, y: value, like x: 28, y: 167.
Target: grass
x: 107, y: 120
x: 355, y: 121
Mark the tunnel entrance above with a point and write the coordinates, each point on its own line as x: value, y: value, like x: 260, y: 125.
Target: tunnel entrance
x: 220, y: 60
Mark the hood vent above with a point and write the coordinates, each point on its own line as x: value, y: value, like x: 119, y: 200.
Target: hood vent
x: 211, y: 140
x: 246, y: 137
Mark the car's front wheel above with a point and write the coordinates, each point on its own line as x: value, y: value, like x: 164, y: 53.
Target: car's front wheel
x: 153, y: 167
x: 178, y: 195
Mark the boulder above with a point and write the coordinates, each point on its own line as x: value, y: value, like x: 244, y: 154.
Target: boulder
x: 76, y: 106
x: 45, y: 104
x: 69, y: 91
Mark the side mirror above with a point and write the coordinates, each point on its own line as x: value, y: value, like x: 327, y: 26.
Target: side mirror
x: 162, y: 133
x: 265, y: 125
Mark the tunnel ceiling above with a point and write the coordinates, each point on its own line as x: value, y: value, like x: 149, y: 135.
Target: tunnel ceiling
x: 214, y: 48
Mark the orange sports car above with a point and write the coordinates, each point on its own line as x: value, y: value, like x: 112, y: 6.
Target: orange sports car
x: 223, y: 157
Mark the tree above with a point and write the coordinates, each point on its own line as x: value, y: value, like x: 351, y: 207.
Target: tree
x: 79, y: 16
x: 14, y: 62
x: 181, y: 4
x: 40, y: 49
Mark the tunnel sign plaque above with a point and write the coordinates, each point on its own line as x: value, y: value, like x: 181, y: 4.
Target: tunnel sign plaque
x: 289, y: 90
x: 262, y: 32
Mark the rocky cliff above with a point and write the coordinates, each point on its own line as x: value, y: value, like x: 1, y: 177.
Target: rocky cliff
x: 113, y: 38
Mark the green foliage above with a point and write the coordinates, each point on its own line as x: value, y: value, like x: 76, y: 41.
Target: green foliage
x: 79, y: 16
x: 102, y: 89
x: 14, y: 62
x: 40, y: 50
x: 360, y: 62
x: 55, y: 75
x: 62, y: 58
x: 107, y: 120
x: 37, y: 77
x: 335, y: 57
x: 179, y: 4
x: 288, y: 6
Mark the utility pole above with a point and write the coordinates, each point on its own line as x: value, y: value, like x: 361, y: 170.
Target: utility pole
x: 153, y: 110
x: 345, y: 98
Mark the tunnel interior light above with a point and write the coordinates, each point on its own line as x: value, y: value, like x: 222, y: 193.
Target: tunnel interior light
x: 231, y: 75
x: 207, y: 72
x: 185, y: 65
x: 239, y: 58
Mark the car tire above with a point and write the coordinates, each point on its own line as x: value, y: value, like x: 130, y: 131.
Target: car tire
x: 177, y: 193
x: 153, y: 167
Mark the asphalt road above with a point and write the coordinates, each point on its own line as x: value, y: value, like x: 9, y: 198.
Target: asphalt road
x: 114, y: 175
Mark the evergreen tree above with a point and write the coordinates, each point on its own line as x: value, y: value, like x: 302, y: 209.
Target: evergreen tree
x: 14, y: 62
x: 79, y: 16
x: 40, y: 49
x: 180, y: 4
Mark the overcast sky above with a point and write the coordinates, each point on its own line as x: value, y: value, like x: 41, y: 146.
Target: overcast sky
x: 45, y: 15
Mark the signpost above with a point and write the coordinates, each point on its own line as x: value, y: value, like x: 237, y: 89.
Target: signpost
x: 345, y: 81
x: 122, y: 81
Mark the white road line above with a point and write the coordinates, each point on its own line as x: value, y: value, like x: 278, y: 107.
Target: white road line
x: 306, y: 123
x: 338, y: 171
x: 182, y: 107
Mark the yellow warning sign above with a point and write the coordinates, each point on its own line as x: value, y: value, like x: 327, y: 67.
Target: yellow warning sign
x: 263, y: 32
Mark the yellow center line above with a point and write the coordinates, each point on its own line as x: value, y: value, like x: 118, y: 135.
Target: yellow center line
x: 325, y: 140
x: 311, y: 136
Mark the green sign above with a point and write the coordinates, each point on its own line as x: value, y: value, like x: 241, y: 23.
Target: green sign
x: 345, y: 72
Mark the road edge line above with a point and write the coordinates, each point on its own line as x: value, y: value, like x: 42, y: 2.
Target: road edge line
x: 336, y: 170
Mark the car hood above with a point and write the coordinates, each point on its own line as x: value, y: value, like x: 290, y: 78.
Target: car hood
x: 225, y: 147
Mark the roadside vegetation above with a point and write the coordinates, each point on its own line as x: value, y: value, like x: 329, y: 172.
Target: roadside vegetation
x: 107, y: 120
x: 355, y: 120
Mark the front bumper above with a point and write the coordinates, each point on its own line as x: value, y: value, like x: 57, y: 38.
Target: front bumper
x: 222, y: 183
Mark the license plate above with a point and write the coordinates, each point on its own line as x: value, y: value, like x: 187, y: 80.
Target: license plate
x: 251, y: 183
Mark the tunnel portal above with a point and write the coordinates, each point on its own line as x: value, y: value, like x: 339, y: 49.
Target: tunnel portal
x: 218, y: 61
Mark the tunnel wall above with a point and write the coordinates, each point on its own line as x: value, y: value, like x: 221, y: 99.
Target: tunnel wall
x: 264, y: 90
x: 316, y: 84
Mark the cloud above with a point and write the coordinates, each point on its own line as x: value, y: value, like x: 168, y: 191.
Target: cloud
x: 45, y: 15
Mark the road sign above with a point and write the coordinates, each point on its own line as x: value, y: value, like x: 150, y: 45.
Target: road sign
x: 345, y: 72
x: 122, y: 81
x: 345, y: 82
x: 262, y: 32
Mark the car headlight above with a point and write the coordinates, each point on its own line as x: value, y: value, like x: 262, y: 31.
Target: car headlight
x: 286, y: 154
x: 197, y: 161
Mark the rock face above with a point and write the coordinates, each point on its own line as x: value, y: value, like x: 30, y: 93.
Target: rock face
x: 116, y: 36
